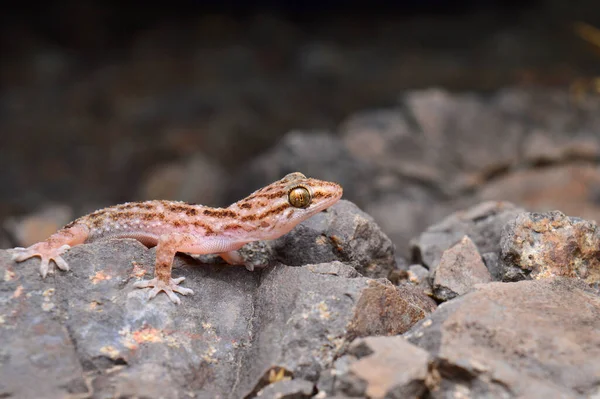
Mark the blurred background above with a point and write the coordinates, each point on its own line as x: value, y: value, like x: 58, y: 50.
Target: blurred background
x: 418, y: 108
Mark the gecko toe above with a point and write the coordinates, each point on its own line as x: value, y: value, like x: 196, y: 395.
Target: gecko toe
x: 143, y: 284
x: 183, y: 291
x: 174, y: 298
x: 44, y: 267
x: 61, y: 263
x: 170, y: 289
x: 20, y: 254
x: 153, y: 292
x: 177, y: 280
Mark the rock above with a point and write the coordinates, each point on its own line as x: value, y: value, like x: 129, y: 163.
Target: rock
x: 400, y: 270
x: 482, y: 223
x: 417, y: 274
x: 493, y: 264
x: 385, y: 309
x: 541, y: 245
x: 528, y: 339
x: 343, y: 232
x: 460, y: 268
x: 39, y: 358
x: 304, y: 316
x: 382, y: 367
x: 221, y: 341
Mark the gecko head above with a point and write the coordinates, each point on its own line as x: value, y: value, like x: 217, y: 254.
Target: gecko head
x: 277, y: 208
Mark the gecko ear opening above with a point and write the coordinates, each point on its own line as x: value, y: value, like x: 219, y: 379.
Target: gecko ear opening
x: 299, y: 197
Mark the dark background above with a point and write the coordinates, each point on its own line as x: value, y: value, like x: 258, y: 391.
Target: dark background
x: 98, y: 98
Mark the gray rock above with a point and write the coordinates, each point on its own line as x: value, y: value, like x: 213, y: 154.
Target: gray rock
x: 382, y: 367
x: 460, y: 268
x: 90, y: 327
x: 38, y: 357
x: 303, y: 317
x: 343, y: 232
x: 529, y: 339
x: 482, y: 223
x: 541, y: 245
x: 418, y: 274
x: 493, y: 264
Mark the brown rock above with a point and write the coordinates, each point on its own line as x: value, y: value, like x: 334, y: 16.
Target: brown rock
x: 541, y: 245
x: 530, y: 339
x: 384, y: 367
x: 460, y: 268
x: 384, y: 309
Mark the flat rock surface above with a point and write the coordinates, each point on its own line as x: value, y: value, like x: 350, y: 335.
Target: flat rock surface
x: 528, y: 339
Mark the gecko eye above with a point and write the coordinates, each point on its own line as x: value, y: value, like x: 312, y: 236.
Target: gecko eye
x: 299, y: 197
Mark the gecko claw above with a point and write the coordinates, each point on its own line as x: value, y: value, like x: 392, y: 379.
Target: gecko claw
x: 169, y: 289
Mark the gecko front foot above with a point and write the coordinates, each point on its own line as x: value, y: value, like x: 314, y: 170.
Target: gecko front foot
x: 46, y: 253
x: 169, y: 289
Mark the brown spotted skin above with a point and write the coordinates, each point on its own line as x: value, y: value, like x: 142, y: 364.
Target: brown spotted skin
x: 174, y: 226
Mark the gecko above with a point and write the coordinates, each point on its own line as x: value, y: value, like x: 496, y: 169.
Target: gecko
x: 175, y: 226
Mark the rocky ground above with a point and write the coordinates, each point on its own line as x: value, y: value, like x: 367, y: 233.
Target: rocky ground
x: 496, y: 302
x: 463, y: 261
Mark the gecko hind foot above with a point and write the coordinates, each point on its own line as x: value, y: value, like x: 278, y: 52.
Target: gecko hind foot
x: 48, y: 257
x: 170, y: 289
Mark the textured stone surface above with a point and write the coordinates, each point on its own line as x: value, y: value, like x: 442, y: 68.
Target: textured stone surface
x: 460, y: 268
x: 303, y: 316
x: 384, y: 309
x: 343, y: 232
x: 90, y: 327
x: 528, y: 339
x: 540, y: 245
